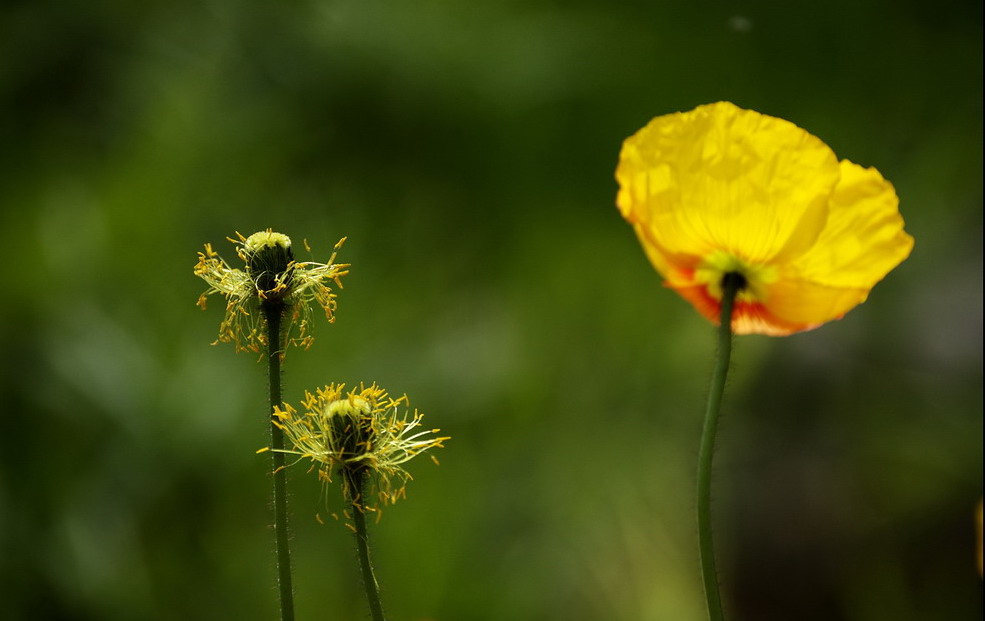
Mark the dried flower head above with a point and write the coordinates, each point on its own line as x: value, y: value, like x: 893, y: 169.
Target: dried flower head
x: 359, y: 433
x: 720, y: 190
x: 270, y: 276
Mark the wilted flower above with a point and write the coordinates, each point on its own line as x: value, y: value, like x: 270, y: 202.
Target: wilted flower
x: 722, y: 190
x: 362, y: 433
x: 270, y: 276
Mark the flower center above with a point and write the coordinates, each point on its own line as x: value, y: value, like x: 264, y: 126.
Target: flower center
x: 754, y: 279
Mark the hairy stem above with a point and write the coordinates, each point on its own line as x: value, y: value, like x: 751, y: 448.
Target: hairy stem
x: 354, y: 491
x: 731, y: 284
x: 274, y: 313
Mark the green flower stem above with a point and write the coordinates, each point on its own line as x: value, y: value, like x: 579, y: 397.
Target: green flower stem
x: 274, y: 313
x: 731, y: 284
x: 354, y: 491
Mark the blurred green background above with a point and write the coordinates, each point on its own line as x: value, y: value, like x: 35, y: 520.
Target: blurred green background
x: 467, y: 151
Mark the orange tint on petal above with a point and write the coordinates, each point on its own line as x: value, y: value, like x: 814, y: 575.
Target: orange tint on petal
x: 792, y: 306
x: 747, y: 317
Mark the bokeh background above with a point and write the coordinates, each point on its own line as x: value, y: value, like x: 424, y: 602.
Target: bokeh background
x: 467, y: 151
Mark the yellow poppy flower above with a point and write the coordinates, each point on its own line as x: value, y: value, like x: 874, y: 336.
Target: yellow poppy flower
x: 721, y: 190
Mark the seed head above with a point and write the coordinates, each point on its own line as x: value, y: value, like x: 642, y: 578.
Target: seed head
x: 362, y: 433
x: 270, y: 276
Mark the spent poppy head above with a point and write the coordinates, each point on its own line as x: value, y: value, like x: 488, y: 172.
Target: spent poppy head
x: 363, y: 434
x: 270, y: 275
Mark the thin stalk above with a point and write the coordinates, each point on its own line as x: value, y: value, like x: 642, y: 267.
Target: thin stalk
x: 731, y: 284
x: 273, y: 313
x: 354, y: 489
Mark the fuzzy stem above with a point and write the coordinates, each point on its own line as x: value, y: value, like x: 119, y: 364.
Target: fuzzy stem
x: 731, y: 284
x: 354, y: 491
x: 274, y: 313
